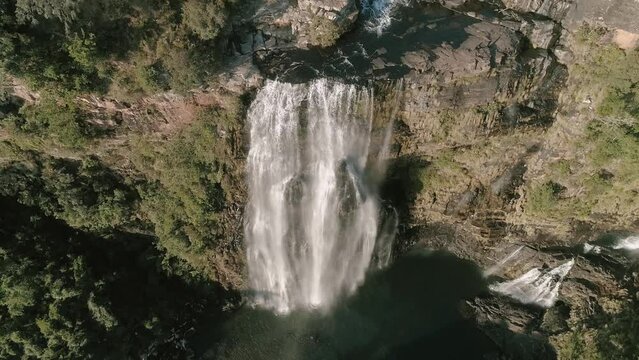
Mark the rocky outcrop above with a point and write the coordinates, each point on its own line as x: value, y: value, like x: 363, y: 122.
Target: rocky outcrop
x: 511, y: 326
x: 554, y: 9
x: 615, y: 14
x: 321, y: 23
x: 304, y: 23
x: 170, y: 111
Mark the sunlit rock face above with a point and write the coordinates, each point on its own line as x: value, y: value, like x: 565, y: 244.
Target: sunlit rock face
x: 537, y: 286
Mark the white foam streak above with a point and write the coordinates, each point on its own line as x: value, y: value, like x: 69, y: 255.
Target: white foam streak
x: 630, y: 243
x: 379, y: 13
x: 493, y: 269
x: 537, y: 286
x: 312, y: 218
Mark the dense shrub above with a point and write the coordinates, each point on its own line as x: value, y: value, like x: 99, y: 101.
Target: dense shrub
x: 66, y: 294
x: 85, y: 194
x: 323, y: 32
x: 205, y: 18
x: 192, y: 180
x: 543, y: 198
x: 85, y: 46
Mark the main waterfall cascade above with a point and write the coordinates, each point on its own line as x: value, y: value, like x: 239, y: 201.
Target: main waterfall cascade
x: 537, y: 286
x: 314, y: 221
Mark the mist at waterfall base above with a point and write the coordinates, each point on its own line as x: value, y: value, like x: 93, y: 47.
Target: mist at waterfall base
x: 409, y: 310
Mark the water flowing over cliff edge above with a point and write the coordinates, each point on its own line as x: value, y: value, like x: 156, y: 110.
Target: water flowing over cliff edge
x: 314, y: 223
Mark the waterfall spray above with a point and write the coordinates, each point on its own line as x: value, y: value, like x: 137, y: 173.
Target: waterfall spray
x: 379, y: 13
x: 537, y: 286
x: 313, y: 220
x: 630, y: 243
x: 495, y: 268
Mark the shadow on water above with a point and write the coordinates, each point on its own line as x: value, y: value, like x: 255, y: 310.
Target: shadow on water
x: 409, y: 311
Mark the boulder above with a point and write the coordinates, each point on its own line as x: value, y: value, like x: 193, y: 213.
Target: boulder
x: 541, y: 33
x: 331, y: 18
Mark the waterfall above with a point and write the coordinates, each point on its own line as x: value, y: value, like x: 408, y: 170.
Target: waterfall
x: 379, y: 13
x: 537, y: 286
x: 493, y: 269
x: 630, y: 243
x: 313, y: 222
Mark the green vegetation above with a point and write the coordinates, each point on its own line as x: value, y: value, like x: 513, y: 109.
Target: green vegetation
x: 611, y: 335
x: 66, y: 294
x: 613, y: 143
x: 204, y: 18
x: 612, y: 72
x: 91, y: 257
x: 110, y: 46
x: 85, y: 194
x: 57, y: 117
x: 619, y: 337
x: 577, y: 345
x: 544, y: 198
x: 605, y: 180
x: 323, y: 32
x: 192, y: 180
x: 182, y: 190
x: 441, y: 173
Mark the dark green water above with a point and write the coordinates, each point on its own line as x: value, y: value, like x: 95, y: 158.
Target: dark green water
x: 409, y: 311
x: 423, y: 27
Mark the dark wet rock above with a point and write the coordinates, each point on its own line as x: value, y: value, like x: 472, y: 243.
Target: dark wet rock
x: 555, y: 319
x: 512, y: 327
x: 511, y: 179
x: 452, y: 3
x: 501, y: 311
x: 462, y: 203
x: 542, y: 33
x: 487, y: 46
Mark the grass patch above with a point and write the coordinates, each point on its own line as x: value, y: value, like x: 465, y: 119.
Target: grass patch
x: 544, y: 198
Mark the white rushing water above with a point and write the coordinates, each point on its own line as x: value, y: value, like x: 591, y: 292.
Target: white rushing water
x: 630, y: 243
x: 537, y: 286
x: 379, y: 13
x: 313, y: 216
x: 589, y: 248
x: 495, y: 268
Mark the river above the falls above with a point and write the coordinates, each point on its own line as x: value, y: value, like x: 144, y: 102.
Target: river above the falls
x: 410, y: 310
